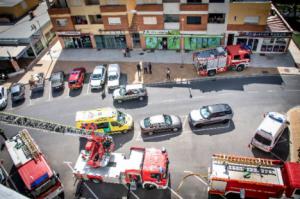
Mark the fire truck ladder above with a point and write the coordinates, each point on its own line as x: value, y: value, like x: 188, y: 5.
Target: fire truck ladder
x: 24, y: 121
x: 28, y: 141
x: 244, y: 160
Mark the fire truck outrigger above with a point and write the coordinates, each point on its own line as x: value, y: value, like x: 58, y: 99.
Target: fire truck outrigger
x: 246, y: 177
x: 216, y: 60
x: 39, y: 179
x: 145, y: 167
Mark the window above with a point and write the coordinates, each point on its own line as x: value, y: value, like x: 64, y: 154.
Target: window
x: 80, y: 20
x: 236, y: 57
x: 155, y: 176
x: 114, y: 20
x: 297, y: 192
x: 61, y: 22
x: 216, y: 1
x: 194, y: 1
x: 91, y: 2
x: 171, y: 18
x: 193, y: 20
x: 251, y: 20
x: 115, y: 124
x: 95, y: 19
x: 102, y: 125
x: 216, y: 18
x: 150, y: 20
x: 74, y: 2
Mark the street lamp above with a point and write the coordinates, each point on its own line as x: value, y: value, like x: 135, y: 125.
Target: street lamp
x: 181, y: 41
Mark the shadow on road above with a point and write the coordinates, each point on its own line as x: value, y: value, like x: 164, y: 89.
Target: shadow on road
x: 75, y: 92
x: 37, y: 94
x: 131, y: 104
x: 157, y: 137
x: 214, y: 129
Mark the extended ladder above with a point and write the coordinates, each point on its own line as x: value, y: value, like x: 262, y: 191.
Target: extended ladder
x: 29, y: 122
x: 28, y: 141
x: 245, y: 160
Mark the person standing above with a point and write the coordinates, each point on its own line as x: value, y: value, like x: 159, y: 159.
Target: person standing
x: 138, y: 68
x: 168, y: 73
x: 150, y: 67
x: 127, y: 52
x: 145, y: 69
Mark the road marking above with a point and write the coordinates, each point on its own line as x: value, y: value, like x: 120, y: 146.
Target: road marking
x: 293, y: 90
x: 184, y: 121
x: 68, y: 163
x: 91, y: 191
x: 50, y: 91
x: 88, y: 89
x: 174, y: 192
x: 131, y: 192
x: 197, y: 177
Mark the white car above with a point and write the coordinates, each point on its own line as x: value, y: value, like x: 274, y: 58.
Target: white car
x: 113, y: 76
x: 3, y: 97
x: 269, y: 131
x: 98, y: 76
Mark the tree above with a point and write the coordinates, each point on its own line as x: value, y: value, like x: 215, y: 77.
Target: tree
x: 292, y: 3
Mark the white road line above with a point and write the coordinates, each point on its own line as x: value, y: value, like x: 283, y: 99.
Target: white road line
x: 50, y: 92
x: 252, y: 91
x: 69, y: 165
x: 174, y: 192
x: 184, y: 121
x: 132, y: 192
x: 91, y: 191
x: 291, y: 90
x: 197, y: 177
x: 88, y: 89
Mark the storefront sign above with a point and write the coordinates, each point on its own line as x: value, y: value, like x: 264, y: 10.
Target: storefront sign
x: 161, y: 32
x: 112, y: 32
x: 69, y: 33
x: 266, y: 34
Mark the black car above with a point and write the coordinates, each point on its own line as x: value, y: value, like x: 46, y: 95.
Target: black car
x: 57, y: 80
x: 17, y: 92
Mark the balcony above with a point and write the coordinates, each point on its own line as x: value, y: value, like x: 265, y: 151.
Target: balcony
x: 232, y: 1
x: 142, y: 2
x: 150, y: 7
x: 113, y: 2
x: 194, y: 7
x: 59, y: 7
x: 113, y: 8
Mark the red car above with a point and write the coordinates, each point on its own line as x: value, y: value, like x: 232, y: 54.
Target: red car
x: 76, y: 78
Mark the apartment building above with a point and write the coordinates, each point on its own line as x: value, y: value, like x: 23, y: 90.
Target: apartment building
x: 164, y: 24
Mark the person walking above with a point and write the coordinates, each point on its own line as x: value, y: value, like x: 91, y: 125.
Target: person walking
x: 127, y: 52
x: 145, y: 69
x: 138, y: 68
x: 150, y: 67
x: 168, y: 73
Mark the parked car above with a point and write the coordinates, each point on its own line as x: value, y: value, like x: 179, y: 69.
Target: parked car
x: 98, y: 77
x: 57, y: 80
x: 3, y: 97
x: 17, y: 92
x: 76, y: 78
x: 113, y: 76
x: 210, y: 114
x: 269, y: 131
x: 160, y: 123
x: 37, y: 82
x: 130, y: 92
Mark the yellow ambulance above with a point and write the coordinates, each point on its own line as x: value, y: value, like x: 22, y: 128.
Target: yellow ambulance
x: 104, y: 120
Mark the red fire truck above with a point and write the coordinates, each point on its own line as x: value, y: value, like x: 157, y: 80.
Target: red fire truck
x: 39, y: 179
x: 246, y: 177
x: 212, y: 61
x: 145, y: 167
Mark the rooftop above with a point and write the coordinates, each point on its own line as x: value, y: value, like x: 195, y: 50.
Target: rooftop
x: 276, y: 23
x: 22, y: 29
x: 9, y: 3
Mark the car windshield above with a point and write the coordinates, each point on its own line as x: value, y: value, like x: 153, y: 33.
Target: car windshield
x: 96, y: 76
x: 205, y: 112
x: 278, y: 119
x: 147, y: 122
x: 121, y: 118
x: 112, y: 77
x: 168, y: 119
x: 55, y: 78
x: 262, y: 140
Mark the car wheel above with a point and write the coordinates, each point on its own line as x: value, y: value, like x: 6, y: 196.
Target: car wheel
x: 125, y: 131
x: 240, y: 68
x: 119, y: 101
x: 150, y: 133
x: 141, y: 98
x: 149, y: 186
x: 175, y: 129
x: 198, y: 125
x: 211, y: 73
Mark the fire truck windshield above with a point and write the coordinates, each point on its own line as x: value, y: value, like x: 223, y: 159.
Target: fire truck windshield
x: 44, y: 187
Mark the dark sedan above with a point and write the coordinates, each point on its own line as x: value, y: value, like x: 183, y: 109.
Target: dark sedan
x: 160, y: 123
x: 57, y: 80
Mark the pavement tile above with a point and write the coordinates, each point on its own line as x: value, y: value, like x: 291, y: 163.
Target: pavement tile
x: 294, y: 127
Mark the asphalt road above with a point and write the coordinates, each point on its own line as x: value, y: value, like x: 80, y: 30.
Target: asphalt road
x: 189, y: 151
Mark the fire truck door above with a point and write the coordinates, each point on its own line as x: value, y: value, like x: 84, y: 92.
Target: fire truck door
x: 134, y: 179
x: 218, y: 185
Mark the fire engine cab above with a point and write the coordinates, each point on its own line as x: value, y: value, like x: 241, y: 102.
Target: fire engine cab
x: 145, y: 167
x: 246, y: 177
x: 212, y: 61
x: 39, y: 179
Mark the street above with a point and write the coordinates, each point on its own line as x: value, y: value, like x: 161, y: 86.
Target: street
x: 189, y: 151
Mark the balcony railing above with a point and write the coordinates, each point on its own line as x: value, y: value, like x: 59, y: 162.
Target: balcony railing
x: 232, y: 1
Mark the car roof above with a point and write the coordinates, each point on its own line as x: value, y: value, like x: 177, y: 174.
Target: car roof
x: 157, y: 119
x: 134, y: 86
x: 113, y: 67
x: 271, y: 125
x: 16, y: 88
x: 98, y: 69
x: 57, y: 74
x: 215, y: 108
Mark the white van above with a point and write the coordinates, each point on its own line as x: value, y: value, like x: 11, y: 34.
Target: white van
x: 113, y: 76
x: 269, y: 131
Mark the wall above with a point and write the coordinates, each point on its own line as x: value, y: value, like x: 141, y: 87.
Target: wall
x: 18, y: 10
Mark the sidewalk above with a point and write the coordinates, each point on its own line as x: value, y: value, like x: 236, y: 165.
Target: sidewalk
x: 294, y: 127
x: 66, y: 59
x: 295, y: 52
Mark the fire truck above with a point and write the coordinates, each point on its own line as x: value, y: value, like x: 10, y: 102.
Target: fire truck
x: 246, y: 177
x: 145, y: 167
x: 209, y: 62
x: 39, y: 179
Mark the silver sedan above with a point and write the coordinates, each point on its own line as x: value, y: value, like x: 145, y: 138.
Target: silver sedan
x: 160, y: 123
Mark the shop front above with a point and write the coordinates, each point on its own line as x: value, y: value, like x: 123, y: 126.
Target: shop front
x: 75, y: 39
x: 264, y: 42
x: 196, y: 42
x: 110, y: 41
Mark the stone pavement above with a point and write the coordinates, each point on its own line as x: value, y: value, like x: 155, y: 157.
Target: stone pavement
x: 66, y: 59
x: 295, y: 52
x: 294, y: 128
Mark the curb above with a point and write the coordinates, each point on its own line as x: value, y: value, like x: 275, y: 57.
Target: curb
x: 291, y: 152
x: 213, y: 79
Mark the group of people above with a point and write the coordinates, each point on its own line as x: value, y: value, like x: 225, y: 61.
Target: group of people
x: 147, y: 68
x: 126, y: 52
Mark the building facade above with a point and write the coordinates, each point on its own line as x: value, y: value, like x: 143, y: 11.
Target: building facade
x: 163, y: 24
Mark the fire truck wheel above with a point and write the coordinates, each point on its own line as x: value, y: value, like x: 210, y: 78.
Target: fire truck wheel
x: 240, y: 68
x: 211, y: 73
x: 149, y: 186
